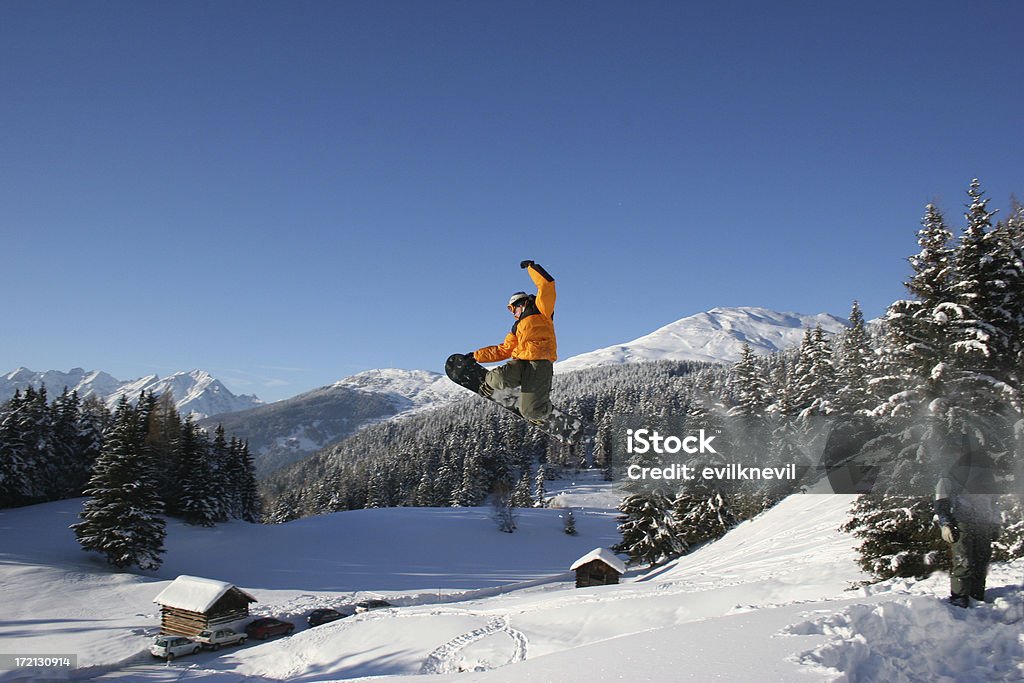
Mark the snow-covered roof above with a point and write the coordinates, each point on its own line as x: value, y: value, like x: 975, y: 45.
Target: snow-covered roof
x: 603, y: 554
x: 195, y: 594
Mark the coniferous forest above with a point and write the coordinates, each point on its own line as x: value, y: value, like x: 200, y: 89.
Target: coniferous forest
x: 134, y: 466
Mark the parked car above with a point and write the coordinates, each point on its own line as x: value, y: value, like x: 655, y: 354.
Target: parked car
x: 267, y: 627
x: 170, y: 647
x: 322, y: 616
x: 367, y: 605
x: 215, y: 639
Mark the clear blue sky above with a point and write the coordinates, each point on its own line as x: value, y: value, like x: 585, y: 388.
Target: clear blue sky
x: 286, y: 193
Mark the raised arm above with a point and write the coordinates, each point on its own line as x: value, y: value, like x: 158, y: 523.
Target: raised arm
x: 545, y: 287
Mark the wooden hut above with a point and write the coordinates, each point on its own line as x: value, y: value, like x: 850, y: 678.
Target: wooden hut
x: 192, y: 604
x: 599, y: 567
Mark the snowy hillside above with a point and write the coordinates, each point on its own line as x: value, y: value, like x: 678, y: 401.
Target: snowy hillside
x: 194, y: 392
x: 409, y: 389
x: 287, y: 431
x: 769, y: 602
x: 717, y: 335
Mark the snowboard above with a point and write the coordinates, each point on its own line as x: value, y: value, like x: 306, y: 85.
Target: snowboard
x: 466, y: 372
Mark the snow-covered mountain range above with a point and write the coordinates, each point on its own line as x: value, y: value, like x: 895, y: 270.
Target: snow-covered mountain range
x: 716, y: 336
x: 286, y: 431
x: 194, y: 392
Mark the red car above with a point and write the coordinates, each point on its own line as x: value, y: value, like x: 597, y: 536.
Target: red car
x: 267, y: 627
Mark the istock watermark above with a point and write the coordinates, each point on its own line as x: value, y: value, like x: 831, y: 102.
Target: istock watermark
x: 777, y: 455
x: 642, y: 441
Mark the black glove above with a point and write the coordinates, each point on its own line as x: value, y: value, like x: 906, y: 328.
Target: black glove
x: 471, y: 355
x: 525, y: 264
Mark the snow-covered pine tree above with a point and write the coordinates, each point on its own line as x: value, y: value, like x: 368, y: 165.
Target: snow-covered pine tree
x: 649, y: 533
x: 522, y: 496
x: 701, y: 513
x: 222, y: 494
x: 94, y: 419
x: 447, y: 481
x: 540, y: 492
x: 569, y: 525
x: 1008, y: 242
x: 70, y: 467
x: 163, y: 439
x: 603, y: 446
x: 747, y: 429
x: 121, y: 518
x: 470, y: 492
x: 855, y: 367
x: 14, y: 463
x: 252, y: 504
x: 800, y: 389
x: 898, y: 537
x: 982, y: 346
x: 424, y: 496
x: 36, y: 429
x: 199, y: 500
x: 748, y: 386
x: 377, y: 487
x: 918, y: 331
x: 822, y: 380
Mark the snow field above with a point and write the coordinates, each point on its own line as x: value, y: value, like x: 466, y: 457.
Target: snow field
x: 775, y: 600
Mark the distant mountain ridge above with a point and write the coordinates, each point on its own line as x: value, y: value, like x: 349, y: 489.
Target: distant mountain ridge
x: 195, y: 392
x: 715, y: 336
x: 287, y: 431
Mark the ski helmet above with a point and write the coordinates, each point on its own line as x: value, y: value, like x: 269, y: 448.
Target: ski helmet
x: 516, y: 298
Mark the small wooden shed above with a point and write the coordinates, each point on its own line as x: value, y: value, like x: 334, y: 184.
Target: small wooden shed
x: 192, y: 604
x: 599, y: 567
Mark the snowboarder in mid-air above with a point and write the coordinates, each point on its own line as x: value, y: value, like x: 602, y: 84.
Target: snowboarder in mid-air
x: 523, y: 385
x: 531, y: 345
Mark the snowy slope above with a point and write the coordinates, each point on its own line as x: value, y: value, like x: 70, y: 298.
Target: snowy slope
x: 409, y: 389
x: 769, y: 602
x: 194, y: 392
x: 715, y: 336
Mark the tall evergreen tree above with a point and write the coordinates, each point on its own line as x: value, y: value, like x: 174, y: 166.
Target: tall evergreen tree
x: 649, y: 532
x: 223, y: 477
x: 15, y: 462
x: 198, y: 497
x: 748, y: 386
x: 918, y: 330
x: 855, y: 366
x: 540, y: 493
x: 120, y: 519
x: 981, y: 347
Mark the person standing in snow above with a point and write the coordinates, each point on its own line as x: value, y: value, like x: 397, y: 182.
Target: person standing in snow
x: 968, y: 516
x: 531, y: 345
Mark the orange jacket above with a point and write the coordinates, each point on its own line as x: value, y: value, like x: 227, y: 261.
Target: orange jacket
x: 533, y: 335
